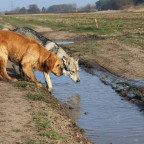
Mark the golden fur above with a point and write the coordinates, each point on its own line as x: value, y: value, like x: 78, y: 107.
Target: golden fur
x: 28, y: 54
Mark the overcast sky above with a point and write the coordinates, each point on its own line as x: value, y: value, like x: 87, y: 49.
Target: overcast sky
x: 9, y: 4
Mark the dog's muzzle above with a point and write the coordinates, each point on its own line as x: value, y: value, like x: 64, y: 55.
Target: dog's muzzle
x: 78, y: 80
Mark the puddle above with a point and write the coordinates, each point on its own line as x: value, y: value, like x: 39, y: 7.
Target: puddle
x: 98, y: 109
x: 65, y: 42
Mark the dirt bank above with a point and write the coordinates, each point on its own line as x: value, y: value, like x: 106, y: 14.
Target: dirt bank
x: 29, y: 114
x: 113, y: 55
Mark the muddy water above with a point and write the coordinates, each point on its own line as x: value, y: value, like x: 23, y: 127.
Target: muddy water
x: 99, y: 110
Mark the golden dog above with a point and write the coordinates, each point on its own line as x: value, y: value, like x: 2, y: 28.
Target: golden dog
x: 28, y: 54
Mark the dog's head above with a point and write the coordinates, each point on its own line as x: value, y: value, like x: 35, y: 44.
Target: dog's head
x: 53, y: 64
x: 71, y: 68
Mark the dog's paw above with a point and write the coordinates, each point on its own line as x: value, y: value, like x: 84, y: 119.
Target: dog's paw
x: 1, y: 78
x: 50, y: 90
x: 39, y: 84
x: 14, y: 80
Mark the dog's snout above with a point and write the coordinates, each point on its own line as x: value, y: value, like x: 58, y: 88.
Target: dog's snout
x: 78, y: 80
x: 61, y: 71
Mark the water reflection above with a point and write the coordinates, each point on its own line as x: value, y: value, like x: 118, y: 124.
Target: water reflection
x: 73, y: 106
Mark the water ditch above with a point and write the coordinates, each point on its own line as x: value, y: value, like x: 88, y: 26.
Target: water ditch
x: 97, y: 105
x: 98, y: 109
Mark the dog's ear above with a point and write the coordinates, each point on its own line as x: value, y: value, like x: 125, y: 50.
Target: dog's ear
x: 65, y: 61
x: 76, y: 58
x: 50, y: 62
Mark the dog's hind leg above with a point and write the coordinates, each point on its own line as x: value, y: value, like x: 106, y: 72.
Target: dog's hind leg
x: 3, y: 72
x: 48, y: 81
x: 3, y: 61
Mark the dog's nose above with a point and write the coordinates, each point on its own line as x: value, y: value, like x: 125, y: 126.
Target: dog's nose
x: 78, y: 80
x: 61, y: 71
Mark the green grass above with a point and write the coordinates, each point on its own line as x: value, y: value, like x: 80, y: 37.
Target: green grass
x: 108, y: 23
x: 132, y: 39
x: 1, y: 27
x: 125, y: 57
x: 36, y: 96
x: 43, y: 114
x: 43, y: 125
x: 91, y: 47
x: 16, y: 22
x: 17, y: 130
x: 122, y: 83
x: 137, y: 93
x: 22, y: 84
x: 122, y: 24
x: 36, y: 118
x: 53, y: 135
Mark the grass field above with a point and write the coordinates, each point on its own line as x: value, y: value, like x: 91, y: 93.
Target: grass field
x: 125, y: 25
x: 108, y: 22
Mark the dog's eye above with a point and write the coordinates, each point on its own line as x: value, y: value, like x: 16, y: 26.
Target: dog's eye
x: 72, y: 71
x: 58, y: 65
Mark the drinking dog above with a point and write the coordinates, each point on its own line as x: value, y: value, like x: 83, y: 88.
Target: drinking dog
x: 27, y: 53
x: 69, y: 64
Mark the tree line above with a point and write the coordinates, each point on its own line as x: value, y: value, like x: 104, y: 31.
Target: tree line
x: 62, y: 8
x: 116, y: 4
x: 68, y: 8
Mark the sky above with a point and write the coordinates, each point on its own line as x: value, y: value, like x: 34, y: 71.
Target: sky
x: 9, y: 4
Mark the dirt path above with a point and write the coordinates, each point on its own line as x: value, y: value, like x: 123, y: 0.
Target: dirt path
x: 13, y: 113
x: 57, y: 34
x: 30, y: 115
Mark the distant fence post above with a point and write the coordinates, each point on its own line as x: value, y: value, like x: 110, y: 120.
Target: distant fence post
x: 96, y: 23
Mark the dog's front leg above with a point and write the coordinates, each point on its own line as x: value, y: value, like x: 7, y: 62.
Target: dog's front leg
x: 48, y: 81
x: 27, y: 69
